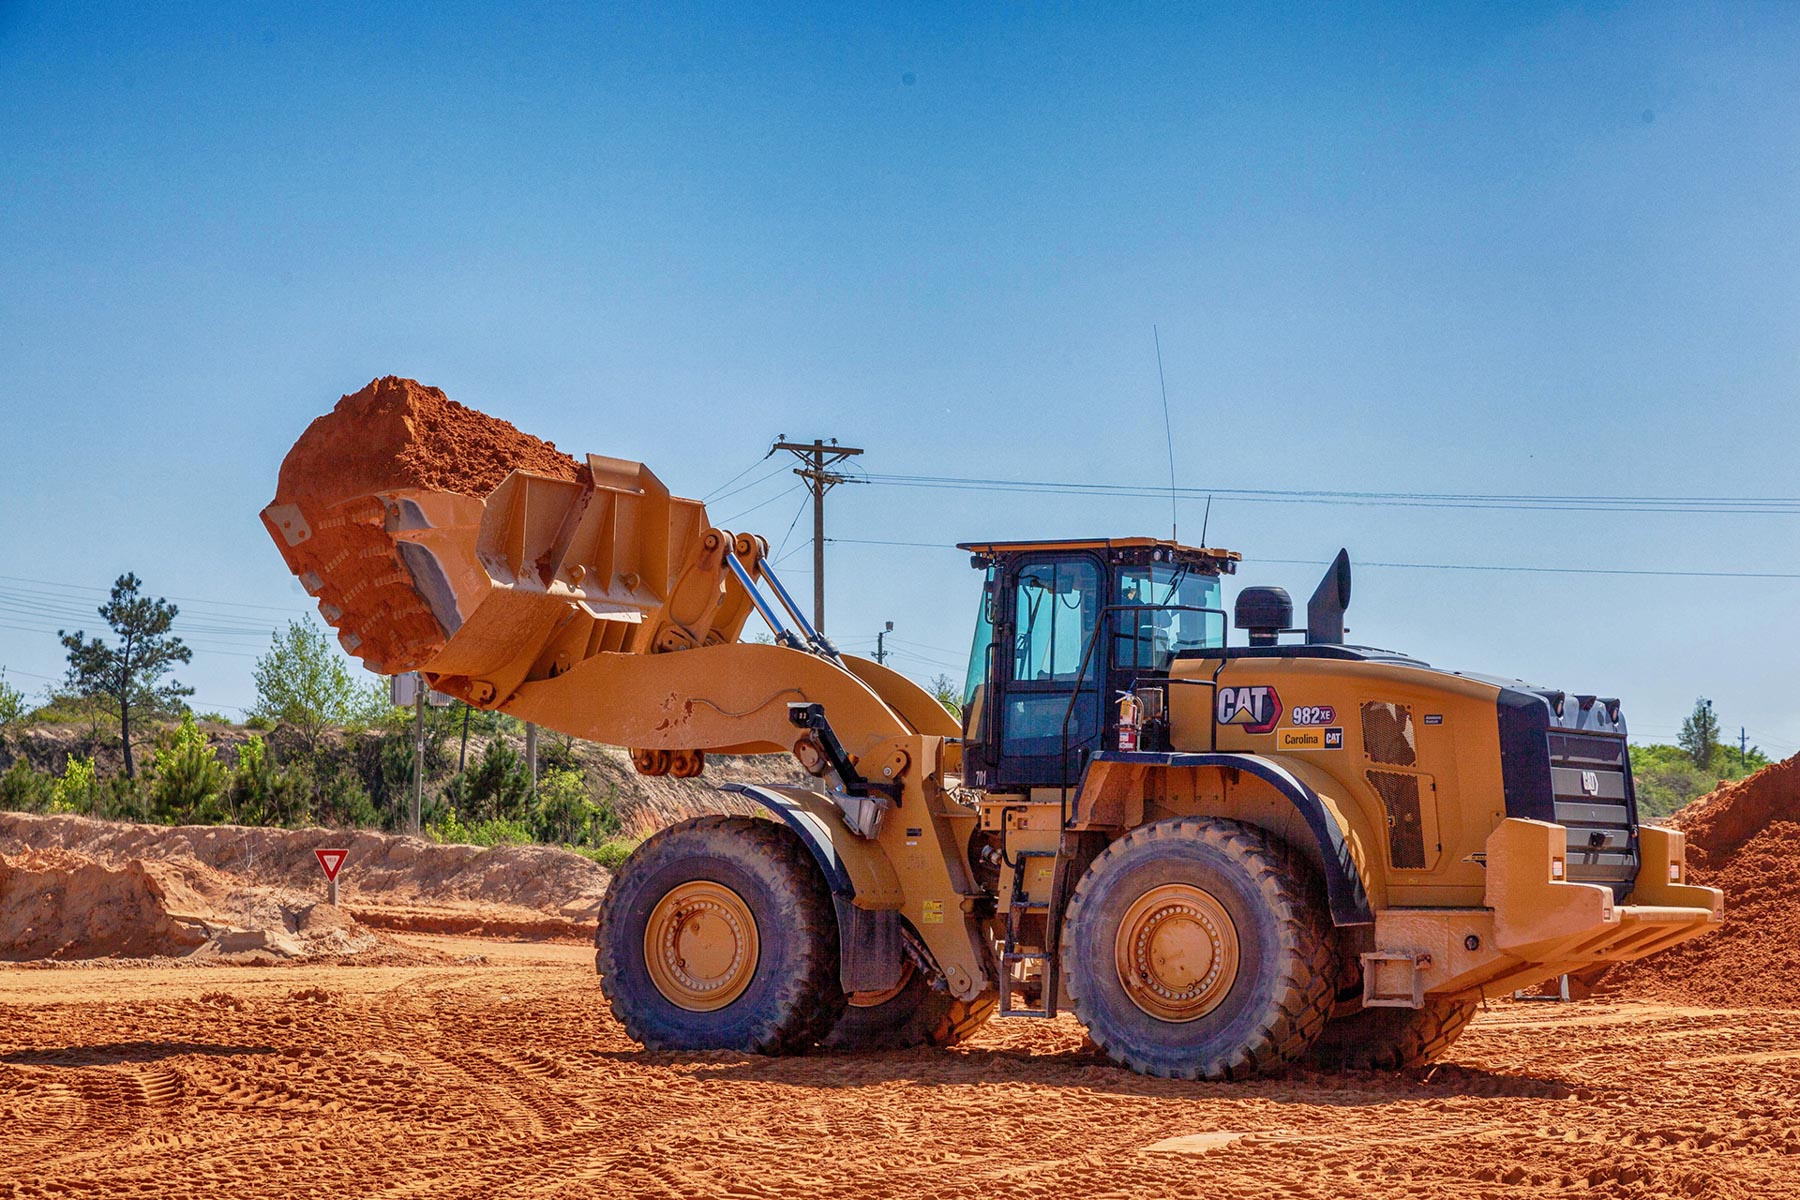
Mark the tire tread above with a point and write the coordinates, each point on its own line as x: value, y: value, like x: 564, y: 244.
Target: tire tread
x: 806, y: 1002
x: 1296, y: 1015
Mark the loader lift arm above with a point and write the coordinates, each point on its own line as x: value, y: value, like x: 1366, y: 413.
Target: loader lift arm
x: 605, y: 608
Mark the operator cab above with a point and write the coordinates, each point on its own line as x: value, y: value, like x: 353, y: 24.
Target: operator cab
x: 1064, y: 628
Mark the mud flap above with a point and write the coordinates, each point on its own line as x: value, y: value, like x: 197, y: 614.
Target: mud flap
x: 871, y: 953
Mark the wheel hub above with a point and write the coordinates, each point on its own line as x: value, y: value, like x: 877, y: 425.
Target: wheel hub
x: 700, y: 946
x: 1176, y: 952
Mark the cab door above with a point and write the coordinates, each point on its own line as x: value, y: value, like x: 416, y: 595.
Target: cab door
x: 1053, y: 603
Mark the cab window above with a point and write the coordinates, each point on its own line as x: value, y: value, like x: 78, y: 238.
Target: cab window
x: 1055, y: 606
x: 978, y: 652
x: 1150, y: 639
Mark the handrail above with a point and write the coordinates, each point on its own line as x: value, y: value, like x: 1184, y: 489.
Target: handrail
x: 1106, y: 614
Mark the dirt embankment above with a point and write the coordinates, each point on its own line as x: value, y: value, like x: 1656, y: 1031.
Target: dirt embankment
x: 72, y: 887
x: 1744, y: 838
x: 60, y: 905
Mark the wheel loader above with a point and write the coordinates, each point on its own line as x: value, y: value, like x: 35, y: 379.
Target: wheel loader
x: 1223, y: 842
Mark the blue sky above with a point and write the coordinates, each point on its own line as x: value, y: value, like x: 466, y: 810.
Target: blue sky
x: 1516, y: 250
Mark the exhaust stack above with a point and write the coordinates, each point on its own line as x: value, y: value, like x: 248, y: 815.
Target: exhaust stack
x: 1325, y: 611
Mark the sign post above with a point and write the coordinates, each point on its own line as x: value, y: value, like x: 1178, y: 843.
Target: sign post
x: 331, y: 862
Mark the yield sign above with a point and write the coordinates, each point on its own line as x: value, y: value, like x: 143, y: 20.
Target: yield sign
x: 331, y: 861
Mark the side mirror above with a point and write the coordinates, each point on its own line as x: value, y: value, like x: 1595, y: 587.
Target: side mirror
x: 1325, y: 611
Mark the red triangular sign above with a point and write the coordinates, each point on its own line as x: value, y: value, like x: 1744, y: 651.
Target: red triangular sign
x: 331, y: 861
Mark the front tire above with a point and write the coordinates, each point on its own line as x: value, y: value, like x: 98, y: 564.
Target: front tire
x: 1196, y: 948
x: 719, y: 934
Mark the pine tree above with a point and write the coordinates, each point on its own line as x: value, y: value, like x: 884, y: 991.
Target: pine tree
x: 126, y: 678
x: 1700, y: 733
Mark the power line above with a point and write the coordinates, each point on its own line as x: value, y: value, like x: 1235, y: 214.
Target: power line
x: 757, y: 482
x: 82, y: 587
x: 790, y: 532
x: 1764, y: 505
x: 204, y: 644
x: 1318, y: 562
x: 1544, y: 570
x: 60, y: 604
x: 710, y: 495
x: 788, y: 491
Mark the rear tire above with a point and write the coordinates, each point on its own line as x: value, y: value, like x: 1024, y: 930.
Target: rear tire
x: 1392, y: 1039
x: 1196, y: 948
x: 916, y: 1015
x: 718, y: 933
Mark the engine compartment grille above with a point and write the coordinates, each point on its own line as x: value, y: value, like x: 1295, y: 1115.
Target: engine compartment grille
x: 1591, y: 782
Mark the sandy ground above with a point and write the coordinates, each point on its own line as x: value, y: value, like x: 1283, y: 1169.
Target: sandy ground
x: 495, y: 1070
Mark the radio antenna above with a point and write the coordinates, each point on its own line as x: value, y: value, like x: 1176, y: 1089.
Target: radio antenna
x: 1207, y: 519
x: 1169, y: 435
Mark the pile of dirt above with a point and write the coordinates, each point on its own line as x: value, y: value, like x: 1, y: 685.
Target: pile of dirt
x: 398, y: 433
x: 387, y: 881
x: 58, y: 905
x: 1721, y: 822
x: 1745, y: 839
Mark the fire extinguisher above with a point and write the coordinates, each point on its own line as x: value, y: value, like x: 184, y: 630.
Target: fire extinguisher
x: 1130, y: 716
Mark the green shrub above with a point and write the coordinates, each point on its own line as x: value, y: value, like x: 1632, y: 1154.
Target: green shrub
x: 259, y: 723
x: 492, y: 832
x: 77, y: 789
x: 609, y: 854
x: 24, y: 788
x: 566, y: 814
x: 556, y: 753
x: 1666, y: 777
x: 261, y: 793
x: 497, y: 785
x: 345, y: 803
x: 125, y: 798
x: 187, y: 781
x: 12, y: 704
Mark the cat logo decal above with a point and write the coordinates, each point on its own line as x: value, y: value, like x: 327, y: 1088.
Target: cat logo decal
x: 1256, y: 708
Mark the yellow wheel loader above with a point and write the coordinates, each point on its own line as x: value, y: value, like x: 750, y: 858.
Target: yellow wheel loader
x: 1221, y: 858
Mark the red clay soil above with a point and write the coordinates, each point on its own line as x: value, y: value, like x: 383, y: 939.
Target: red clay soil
x: 388, y: 882
x: 398, y: 433
x: 1744, y: 838
x: 58, y: 905
x: 395, y: 434
x: 1719, y: 823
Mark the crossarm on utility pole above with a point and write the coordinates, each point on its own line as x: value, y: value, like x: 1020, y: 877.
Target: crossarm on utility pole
x: 817, y: 456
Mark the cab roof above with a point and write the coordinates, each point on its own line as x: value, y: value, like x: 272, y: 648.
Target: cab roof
x: 1124, y: 549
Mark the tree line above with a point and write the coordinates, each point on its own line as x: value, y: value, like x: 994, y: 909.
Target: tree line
x: 322, y: 745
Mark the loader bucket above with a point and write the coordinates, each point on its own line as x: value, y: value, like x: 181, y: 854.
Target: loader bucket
x: 438, y: 539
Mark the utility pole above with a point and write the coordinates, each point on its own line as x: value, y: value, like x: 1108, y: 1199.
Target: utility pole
x: 1743, y: 747
x: 418, y: 796
x: 531, y: 739
x: 880, y: 646
x: 817, y: 456
x: 462, y: 755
